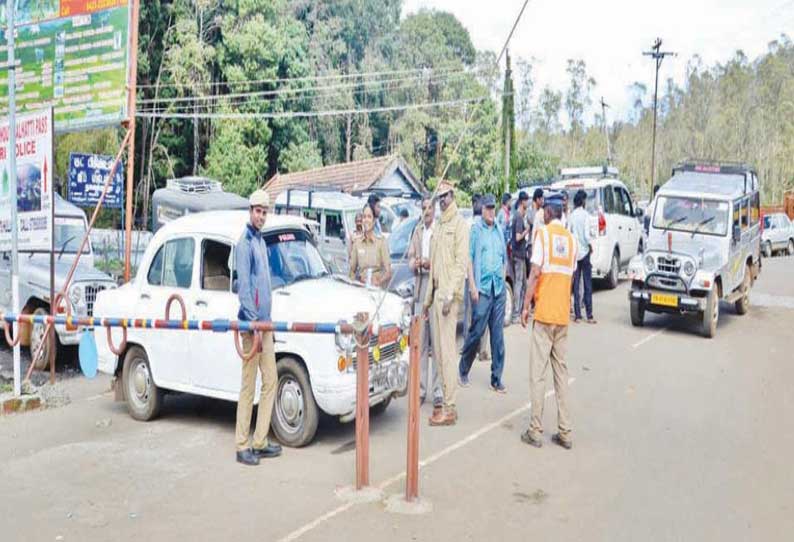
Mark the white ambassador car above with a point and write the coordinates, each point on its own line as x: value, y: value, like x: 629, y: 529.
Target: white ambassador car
x: 193, y: 256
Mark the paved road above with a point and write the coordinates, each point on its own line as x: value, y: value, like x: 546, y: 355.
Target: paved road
x: 676, y: 438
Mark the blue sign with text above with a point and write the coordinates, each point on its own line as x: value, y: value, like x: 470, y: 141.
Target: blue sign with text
x: 87, y: 176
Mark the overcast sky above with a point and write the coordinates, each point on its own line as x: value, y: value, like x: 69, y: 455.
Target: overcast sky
x: 610, y: 35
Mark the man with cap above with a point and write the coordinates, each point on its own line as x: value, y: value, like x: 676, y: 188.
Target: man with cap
x: 254, y: 292
x: 518, y: 242
x: 489, y: 257
x: 553, y: 261
x: 448, y: 262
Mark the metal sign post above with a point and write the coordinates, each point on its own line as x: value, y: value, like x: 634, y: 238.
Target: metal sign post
x: 12, y: 178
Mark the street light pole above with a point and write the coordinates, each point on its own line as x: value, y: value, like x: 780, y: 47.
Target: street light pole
x: 12, y: 178
x: 604, y: 107
x: 658, y: 56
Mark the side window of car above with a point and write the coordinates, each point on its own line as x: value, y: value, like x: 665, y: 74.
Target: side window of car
x: 745, y: 213
x: 334, y: 227
x: 178, y: 263
x: 755, y: 210
x: 609, y: 200
x: 625, y: 201
x: 215, y: 266
x: 155, y: 275
x: 737, y: 211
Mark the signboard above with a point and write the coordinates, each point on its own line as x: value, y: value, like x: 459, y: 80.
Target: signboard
x: 34, y: 182
x: 87, y: 176
x: 73, y: 55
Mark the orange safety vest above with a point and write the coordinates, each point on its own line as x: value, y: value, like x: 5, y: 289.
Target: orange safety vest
x: 553, y: 294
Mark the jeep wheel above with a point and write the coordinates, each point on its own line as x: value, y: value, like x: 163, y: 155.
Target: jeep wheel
x: 144, y: 398
x: 743, y: 303
x: 380, y: 408
x: 711, y: 315
x: 637, y: 310
x: 614, y: 269
x: 767, y: 250
x: 37, y: 335
x: 509, y: 301
x: 296, y: 414
x: 790, y: 248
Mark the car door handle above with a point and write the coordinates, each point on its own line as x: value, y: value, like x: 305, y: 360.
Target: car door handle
x: 145, y: 296
x: 201, y: 303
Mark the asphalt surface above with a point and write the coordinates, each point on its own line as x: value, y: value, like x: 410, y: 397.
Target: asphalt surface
x: 676, y: 437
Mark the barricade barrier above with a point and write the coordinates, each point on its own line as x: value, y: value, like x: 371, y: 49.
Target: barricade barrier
x: 361, y: 329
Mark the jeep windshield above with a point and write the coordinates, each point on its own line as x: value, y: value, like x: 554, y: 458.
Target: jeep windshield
x: 692, y: 215
x: 69, y: 233
x: 293, y: 258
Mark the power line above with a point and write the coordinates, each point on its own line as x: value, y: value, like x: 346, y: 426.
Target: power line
x: 303, y: 114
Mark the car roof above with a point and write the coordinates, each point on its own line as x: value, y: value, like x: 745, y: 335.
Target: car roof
x: 692, y: 183
x: 228, y: 224
x: 586, y: 183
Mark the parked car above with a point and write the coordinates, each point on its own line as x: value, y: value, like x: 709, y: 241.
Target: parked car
x: 704, y: 245
x: 613, y: 218
x: 193, y: 257
x: 191, y: 195
x: 777, y: 235
x: 69, y: 228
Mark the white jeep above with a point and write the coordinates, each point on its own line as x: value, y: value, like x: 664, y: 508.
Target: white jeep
x: 193, y: 256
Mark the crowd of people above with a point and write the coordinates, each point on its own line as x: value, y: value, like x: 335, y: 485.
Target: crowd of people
x: 456, y: 266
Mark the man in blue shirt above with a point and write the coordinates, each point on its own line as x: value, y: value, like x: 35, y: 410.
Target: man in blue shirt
x: 579, y: 224
x: 254, y: 292
x: 489, y: 256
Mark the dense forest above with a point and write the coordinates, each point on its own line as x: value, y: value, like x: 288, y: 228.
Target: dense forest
x: 240, y: 90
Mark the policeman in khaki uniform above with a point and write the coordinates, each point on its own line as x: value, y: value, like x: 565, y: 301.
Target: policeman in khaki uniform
x: 449, y: 260
x: 369, y: 258
x: 553, y: 262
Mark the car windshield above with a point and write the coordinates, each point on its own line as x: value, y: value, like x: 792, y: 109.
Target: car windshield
x: 691, y: 215
x: 69, y: 233
x: 401, y: 236
x: 767, y: 222
x: 293, y: 258
x: 591, y: 204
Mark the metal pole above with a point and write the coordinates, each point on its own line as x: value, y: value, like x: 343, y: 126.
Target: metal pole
x: 653, y: 145
x: 362, y: 402
x: 507, y: 121
x: 412, y: 459
x: 51, y: 336
x: 606, y: 130
x: 133, y: 78
x: 12, y: 176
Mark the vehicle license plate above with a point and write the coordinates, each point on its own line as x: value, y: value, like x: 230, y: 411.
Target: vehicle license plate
x: 665, y: 300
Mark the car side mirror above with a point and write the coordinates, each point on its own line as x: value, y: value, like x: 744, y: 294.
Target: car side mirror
x: 639, y: 213
x: 235, y: 283
x: 737, y: 234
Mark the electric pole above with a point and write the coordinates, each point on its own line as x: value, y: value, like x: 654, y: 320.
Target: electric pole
x: 604, y: 107
x: 507, y: 117
x: 658, y: 55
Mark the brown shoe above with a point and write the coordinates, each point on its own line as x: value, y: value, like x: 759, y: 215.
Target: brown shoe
x: 560, y: 441
x: 438, y: 416
x: 451, y: 416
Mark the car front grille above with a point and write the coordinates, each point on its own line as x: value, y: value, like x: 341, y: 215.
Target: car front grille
x: 91, y: 290
x: 668, y: 265
x: 388, y: 352
x: 665, y: 283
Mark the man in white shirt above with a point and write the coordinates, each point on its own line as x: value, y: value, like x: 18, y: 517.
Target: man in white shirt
x: 538, y: 222
x: 419, y: 263
x: 580, y: 228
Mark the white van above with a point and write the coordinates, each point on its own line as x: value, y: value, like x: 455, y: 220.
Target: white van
x: 614, y: 220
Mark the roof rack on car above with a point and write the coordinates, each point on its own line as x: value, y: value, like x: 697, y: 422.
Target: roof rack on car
x: 725, y: 167
x: 194, y: 185
x: 596, y: 171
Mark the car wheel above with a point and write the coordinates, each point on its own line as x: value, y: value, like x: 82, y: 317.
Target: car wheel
x: 743, y: 303
x: 614, y: 269
x: 637, y: 311
x: 790, y: 249
x: 296, y: 413
x: 711, y: 315
x: 508, y: 304
x: 37, y: 336
x: 144, y: 398
x: 767, y: 250
x: 380, y: 408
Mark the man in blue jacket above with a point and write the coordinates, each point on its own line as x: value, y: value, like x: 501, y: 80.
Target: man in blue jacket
x: 254, y: 291
x: 488, y: 254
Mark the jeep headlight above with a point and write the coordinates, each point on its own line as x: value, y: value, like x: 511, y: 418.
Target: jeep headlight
x: 650, y: 263
x: 76, y: 294
x: 689, y: 269
x: 405, y: 319
x: 405, y: 289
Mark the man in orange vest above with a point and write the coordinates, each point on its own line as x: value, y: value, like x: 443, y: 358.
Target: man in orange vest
x: 553, y: 262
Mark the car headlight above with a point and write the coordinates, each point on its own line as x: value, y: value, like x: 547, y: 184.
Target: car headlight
x: 344, y: 342
x: 650, y: 263
x: 689, y: 269
x: 76, y: 294
x: 405, y: 319
x: 405, y: 289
